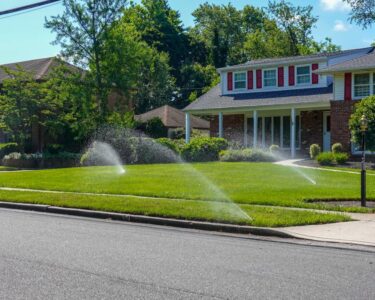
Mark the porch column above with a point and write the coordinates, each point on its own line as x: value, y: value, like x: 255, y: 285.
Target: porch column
x: 245, y: 141
x: 221, y: 131
x: 293, y: 133
x: 255, y: 133
x: 187, y: 128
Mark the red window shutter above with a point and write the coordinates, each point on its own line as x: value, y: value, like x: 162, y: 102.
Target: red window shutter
x: 348, y: 87
x: 230, y: 81
x: 291, y: 75
x: 259, y: 79
x: 250, y: 80
x: 315, y: 77
x: 280, y: 76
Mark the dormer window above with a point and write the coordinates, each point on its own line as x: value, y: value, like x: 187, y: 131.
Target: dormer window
x: 269, y: 78
x: 240, y: 81
x: 303, y: 75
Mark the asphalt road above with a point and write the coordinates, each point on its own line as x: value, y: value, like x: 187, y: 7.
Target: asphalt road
x: 56, y: 257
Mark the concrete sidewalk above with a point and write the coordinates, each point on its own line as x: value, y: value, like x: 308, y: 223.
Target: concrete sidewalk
x: 360, y: 232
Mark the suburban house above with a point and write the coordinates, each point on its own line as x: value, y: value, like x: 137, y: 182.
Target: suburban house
x: 173, y: 119
x: 292, y: 102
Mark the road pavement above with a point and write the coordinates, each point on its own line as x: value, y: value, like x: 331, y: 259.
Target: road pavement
x: 46, y: 256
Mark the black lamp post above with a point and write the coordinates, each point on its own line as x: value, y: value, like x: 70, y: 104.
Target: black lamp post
x: 364, y: 125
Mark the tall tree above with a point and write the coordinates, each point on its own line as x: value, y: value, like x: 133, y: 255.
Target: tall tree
x: 81, y: 32
x: 363, y: 12
x: 296, y: 21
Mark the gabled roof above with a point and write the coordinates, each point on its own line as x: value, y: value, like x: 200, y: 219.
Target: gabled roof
x: 172, y: 118
x: 213, y: 100
x: 364, y: 62
x: 39, y: 67
x: 296, y: 59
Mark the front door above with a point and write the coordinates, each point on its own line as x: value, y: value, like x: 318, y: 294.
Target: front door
x: 326, y: 131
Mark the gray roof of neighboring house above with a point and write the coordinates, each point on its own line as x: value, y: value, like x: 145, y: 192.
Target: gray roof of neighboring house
x: 296, y: 59
x: 363, y: 62
x: 213, y: 100
x: 39, y: 67
x: 172, y: 118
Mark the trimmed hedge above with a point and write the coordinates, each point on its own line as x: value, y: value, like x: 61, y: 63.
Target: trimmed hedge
x: 330, y: 158
x: 314, y: 151
x: 247, y: 155
x: 204, y: 149
x: 341, y: 158
x: 337, y: 148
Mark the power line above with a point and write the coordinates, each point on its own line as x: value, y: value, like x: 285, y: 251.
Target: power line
x: 27, y: 7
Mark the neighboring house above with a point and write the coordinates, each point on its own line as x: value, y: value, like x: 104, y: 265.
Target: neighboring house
x: 292, y: 102
x: 173, y: 118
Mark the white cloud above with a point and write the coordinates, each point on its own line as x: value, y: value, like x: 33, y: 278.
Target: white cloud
x: 340, y: 26
x: 334, y: 5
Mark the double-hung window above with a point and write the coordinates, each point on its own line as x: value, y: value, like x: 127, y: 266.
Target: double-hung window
x: 303, y: 75
x: 239, y: 81
x: 269, y: 78
x: 361, y: 85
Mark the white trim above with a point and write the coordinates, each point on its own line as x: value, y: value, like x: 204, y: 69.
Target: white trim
x: 187, y: 127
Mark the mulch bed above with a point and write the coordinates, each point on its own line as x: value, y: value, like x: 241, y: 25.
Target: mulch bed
x: 347, y: 203
x: 351, y: 164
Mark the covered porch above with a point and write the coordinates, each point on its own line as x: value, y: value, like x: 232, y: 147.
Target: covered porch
x: 293, y: 129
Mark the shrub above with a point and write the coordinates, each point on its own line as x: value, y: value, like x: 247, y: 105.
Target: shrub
x: 274, y: 149
x: 154, y: 128
x: 337, y: 148
x: 341, y: 158
x: 250, y: 155
x: 204, y: 149
x: 326, y: 158
x: 7, y: 148
x: 150, y: 151
x: 314, y: 151
x: 13, y: 155
x: 170, y: 144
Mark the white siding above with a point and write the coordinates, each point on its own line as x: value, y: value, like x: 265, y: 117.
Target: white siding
x: 339, y: 87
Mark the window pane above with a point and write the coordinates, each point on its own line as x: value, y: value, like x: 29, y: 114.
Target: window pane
x: 240, y: 84
x: 361, y: 90
x: 240, y: 80
x: 362, y: 79
x: 270, y: 78
x: 303, y: 79
x: 276, y: 130
x: 303, y: 70
x: 286, y: 132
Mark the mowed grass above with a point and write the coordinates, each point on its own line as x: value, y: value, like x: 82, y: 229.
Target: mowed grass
x: 182, y: 209
x: 243, y: 183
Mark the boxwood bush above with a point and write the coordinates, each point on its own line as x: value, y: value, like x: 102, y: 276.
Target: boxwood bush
x: 337, y: 148
x: 326, y: 158
x: 250, y: 155
x: 341, y: 158
x: 314, y: 151
x: 203, y: 149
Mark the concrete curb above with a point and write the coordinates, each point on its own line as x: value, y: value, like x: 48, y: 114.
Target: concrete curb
x: 228, y: 228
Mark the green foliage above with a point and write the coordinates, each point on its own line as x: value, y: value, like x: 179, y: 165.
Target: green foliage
x: 7, y: 148
x: 326, y: 158
x: 275, y: 149
x: 249, y: 155
x: 314, y: 151
x: 153, y: 128
x: 204, y: 149
x: 363, y: 12
x: 170, y: 144
x: 341, y: 158
x: 365, y: 107
x: 337, y: 148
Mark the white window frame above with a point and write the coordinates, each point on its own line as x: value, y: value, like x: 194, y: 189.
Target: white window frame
x: 296, y: 75
x: 234, y: 81
x: 264, y: 78
x: 371, y: 83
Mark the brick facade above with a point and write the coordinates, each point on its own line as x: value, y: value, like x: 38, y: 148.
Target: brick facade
x: 340, y: 115
x: 311, y: 129
x: 233, y: 127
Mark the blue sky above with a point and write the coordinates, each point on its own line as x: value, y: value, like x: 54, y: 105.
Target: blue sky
x: 24, y: 37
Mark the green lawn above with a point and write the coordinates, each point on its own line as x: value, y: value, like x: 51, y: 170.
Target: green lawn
x: 182, y: 209
x: 242, y: 183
